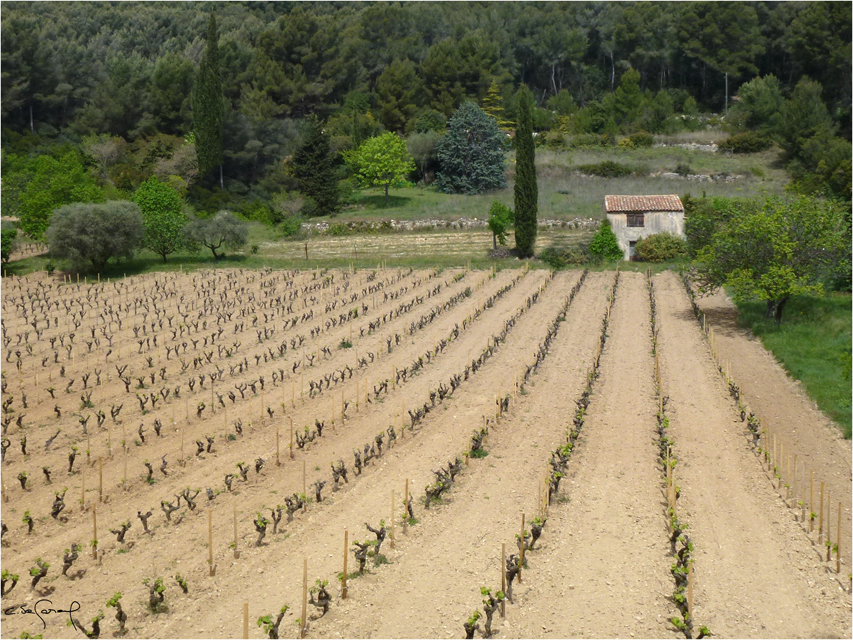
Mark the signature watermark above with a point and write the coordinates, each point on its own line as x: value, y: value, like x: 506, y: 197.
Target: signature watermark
x: 40, y: 609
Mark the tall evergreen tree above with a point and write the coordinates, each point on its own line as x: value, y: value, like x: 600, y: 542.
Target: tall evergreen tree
x: 207, y: 106
x: 493, y: 106
x: 526, y: 189
x: 471, y: 153
x: 316, y: 167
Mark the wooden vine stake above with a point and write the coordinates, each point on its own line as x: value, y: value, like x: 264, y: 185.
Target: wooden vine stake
x: 95, y: 531
x: 304, y: 624
x: 245, y: 619
x: 503, y: 578
x: 277, y: 447
x: 291, y: 437
x: 811, y: 502
x: 236, y: 551
x: 406, y: 507
x: 346, y: 555
x: 521, y: 549
x: 210, y: 542
x: 393, y: 517
x: 838, y: 543
x: 100, y: 479
x: 820, y: 521
x: 690, y: 589
x: 829, y: 527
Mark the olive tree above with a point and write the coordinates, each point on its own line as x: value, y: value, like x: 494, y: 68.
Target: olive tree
x: 95, y: 232
x: 222, y: 231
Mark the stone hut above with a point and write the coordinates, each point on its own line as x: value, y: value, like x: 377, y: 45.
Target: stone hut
x: 635, y: 217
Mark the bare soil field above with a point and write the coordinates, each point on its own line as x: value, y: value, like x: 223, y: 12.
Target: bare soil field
x: 247, y: 393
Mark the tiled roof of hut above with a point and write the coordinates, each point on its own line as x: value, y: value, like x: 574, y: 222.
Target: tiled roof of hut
x: 629, y: 204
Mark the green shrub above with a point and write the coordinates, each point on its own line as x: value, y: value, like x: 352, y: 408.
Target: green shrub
x: 604, y: 245
x: 338, y: 229
x: 683, y: 169
x: 501, y: 218
x: 551, y: 139
x: 606, y: 169
x: 660, y: 247
x: 259, y: 211
x: 748, y: 142
x: 586, y: 141
x: 291, y: 226
x: 642, y: 139
x: 559, y: 258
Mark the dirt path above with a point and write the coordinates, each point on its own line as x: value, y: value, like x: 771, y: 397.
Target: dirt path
x: 605, y: 572
x: 781, y: 402
x: 756, y: 574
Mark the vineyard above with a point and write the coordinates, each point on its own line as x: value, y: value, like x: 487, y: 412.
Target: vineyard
x: 398, y: 453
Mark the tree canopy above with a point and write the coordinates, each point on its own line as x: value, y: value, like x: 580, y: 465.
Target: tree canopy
x: 381, y: 161
x: 526, y: 190
x: 95, y: 233
x: 472, y: 153
x: 222, y: 231
x: 316, y: 167
x: 207, y: 104
x: 775, y: 249
x: 163, y: 217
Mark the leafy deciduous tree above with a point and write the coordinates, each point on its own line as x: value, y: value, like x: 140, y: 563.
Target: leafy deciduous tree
x: 53, y: 184
x: 162, y: 215
x: 501, y: 218
x: 381, y: 161
x: 776, y: 249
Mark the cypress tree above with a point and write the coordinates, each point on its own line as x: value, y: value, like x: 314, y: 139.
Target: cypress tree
x: 316, y: 167
x: 526, y: 190
x: 207, y: 106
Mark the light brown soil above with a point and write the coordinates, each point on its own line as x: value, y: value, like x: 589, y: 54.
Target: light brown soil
x: 603, y: 568
x: 607, y: 526
x: 738, y: 524
x: 782, y: 403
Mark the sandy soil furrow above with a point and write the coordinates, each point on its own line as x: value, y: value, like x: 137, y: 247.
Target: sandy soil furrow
x: 606, y: 570
x: 444, y: 433
x: 783, y: 403
x: 756, y: 575
x: 179, y: 551
x: 456, y: 548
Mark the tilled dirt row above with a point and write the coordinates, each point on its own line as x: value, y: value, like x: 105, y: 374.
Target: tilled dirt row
x: 755, y: 573
x: 782, y: 403
x: 113, y: 393
x: 455, y: 549
x: 605, y: 570
x: 247, y: 448
x: 288, y: 479
x: 276, y: 570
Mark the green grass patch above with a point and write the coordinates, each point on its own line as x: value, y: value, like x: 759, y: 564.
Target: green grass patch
x: 813, y: 343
